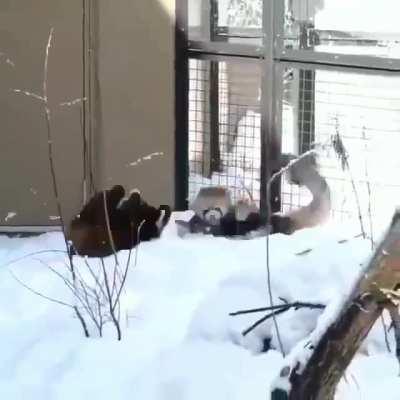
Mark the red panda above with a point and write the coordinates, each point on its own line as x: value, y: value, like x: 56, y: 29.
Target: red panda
x: 131, y: 221
x: 305, y: 172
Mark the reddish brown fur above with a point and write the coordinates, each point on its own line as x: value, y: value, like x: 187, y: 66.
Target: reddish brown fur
x: 88, y: 230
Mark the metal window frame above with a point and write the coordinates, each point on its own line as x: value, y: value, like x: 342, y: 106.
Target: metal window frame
x: 339, y: 60
x: 90, y: 107
x: 313, y: 57
x: 274, y: 57
x: 181, y: 105
x: 334, y: 67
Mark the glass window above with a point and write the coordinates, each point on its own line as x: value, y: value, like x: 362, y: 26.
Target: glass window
x: 224, y: 126
x: 359, y: 27
x: 233, y: 21
x: 350, y: 117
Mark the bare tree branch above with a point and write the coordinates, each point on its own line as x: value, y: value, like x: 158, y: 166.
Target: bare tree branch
x: 111, y: 309
x: 29, y: 94
x: 39, y: 293
x: 269, y: 213
x: 72, y: 102
x: 109, y: 232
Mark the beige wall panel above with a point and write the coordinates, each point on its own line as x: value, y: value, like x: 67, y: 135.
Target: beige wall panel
x: 136, y: 104
x: 25, y: 182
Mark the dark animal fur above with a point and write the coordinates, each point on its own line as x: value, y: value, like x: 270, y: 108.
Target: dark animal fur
x: 88, y: 230
x: 228, y: 225
x: 304, y: 172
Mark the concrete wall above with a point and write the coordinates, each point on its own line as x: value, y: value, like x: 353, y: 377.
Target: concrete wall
x: 25, y: 187
x: 136, y: 88
x: 134, y: 103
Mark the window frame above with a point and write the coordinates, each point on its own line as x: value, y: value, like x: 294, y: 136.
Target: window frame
x: 273, y: 56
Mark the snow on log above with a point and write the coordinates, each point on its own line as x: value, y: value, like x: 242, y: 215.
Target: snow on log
x: 314, y: 372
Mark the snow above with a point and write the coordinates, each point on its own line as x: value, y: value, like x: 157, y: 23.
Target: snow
x: 179, y: 342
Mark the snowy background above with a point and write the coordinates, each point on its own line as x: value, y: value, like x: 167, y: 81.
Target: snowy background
x: 179, y: 343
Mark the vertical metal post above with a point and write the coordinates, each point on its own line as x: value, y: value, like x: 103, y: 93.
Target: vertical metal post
x: 306, y: 121
x: 213, y: 19
x: 85, y: 101
x: 91, y: 116
x: 181, y: 105
x: 215, y: 156
x: 270, y: 137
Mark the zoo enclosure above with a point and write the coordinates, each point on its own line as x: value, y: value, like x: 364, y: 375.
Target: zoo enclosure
x: 270, y: 77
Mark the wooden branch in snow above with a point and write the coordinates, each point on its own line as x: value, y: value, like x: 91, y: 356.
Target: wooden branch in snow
x: 394, y: 314
x: 316, y: 372
x: 276, y: 310
x: 272, y: 314
x: 296, y: 305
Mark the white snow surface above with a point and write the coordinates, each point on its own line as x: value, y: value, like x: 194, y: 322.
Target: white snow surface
x: 179, y: 342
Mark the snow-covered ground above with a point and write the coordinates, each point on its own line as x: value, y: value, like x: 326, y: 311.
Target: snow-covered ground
x: 179, y: 343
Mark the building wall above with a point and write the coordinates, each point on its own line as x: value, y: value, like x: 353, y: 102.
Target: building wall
x: 136, y: 88
x: 25, y: 187
x: 134, y: 103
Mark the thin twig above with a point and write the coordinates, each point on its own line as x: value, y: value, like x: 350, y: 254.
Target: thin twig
x: 29, y: 94
x: 269, y: 212
x: 109, y: 232
x: 289, y: 166
x: 296, y: 305
x: 110, y: 303
x: 44, y: 100
x: 39, y: 293
x: 343, y: 156
x: 52, y: 164
x: 263, y: 319
x: 385, y: 333
x: 138, y: 241
x: 82, y: 321
x: 85, y: 301
x: 371, y: 229
x: 72, y: 102
x: 394, y: 313
x: 15, y: 260
x: 46, y: 63
x: 122, y: 285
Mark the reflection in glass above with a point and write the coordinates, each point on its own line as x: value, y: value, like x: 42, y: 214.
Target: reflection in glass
x: 233, y: 21
x: 361, y: 27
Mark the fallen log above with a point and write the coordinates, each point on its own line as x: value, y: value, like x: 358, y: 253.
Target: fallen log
x: 315, y: 374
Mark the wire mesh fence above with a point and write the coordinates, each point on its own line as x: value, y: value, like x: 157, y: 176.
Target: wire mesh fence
x: 225, y: 126
x: 354, y: 120
x: 351, y: 118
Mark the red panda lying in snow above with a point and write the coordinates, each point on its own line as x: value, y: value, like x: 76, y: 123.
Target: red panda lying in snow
x: 215, y: 213
x: 130, y: 222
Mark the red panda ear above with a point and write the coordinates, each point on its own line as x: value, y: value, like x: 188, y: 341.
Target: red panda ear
x: 118, y: 191
x: 134, y: 199
x: 130, y: 207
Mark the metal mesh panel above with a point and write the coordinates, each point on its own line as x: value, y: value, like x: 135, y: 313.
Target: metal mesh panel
x: 353, y: 117
x: 224, y: 126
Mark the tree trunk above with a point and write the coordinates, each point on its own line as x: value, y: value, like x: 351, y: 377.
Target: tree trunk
x: 336, y: 348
